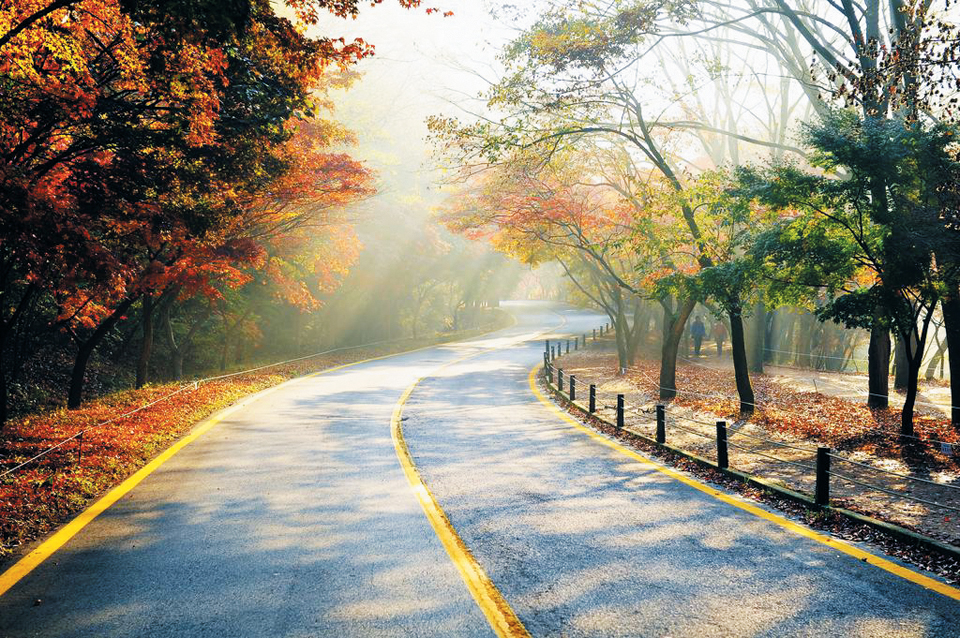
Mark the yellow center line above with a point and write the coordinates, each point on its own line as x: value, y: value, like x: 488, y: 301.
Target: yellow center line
x: 833, y: 543
x: 491, y: 602
x: 47, y: 548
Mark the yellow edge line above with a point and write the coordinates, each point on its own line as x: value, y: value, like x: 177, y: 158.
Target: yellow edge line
x: 503, y: 620
x: 28, y: 563
x: 494, y: 606
x: 833, y: 543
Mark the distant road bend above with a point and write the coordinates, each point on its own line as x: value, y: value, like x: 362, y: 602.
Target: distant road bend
x: 295, y: 516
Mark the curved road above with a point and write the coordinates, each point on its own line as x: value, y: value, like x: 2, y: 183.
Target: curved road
x: 292, y: 517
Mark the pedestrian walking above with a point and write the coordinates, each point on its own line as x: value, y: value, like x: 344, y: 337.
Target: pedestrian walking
x: 698, y: 332
x: 719, y: 335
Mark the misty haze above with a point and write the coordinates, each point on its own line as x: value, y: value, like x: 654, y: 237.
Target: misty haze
x: 479, y: 318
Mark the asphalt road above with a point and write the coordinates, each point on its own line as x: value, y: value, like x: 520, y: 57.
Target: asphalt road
x: 293, y: 518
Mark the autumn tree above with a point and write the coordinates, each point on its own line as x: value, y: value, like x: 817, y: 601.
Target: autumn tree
x: 896, y: 241
x: 132, y: 135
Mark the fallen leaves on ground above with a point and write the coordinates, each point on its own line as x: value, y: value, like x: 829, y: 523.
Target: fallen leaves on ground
x: 837, y: 422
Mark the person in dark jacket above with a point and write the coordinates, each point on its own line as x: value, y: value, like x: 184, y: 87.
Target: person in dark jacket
x: 698, y: 332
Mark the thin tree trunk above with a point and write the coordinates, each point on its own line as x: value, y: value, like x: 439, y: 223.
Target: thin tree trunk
x: 951, y: 326
x: 915, y: 342
x: 673, y: 330
x: 910, y: 400
x: 769, y: 336
x: 901, y: 377
x: 878, y: 369
x: 758, y: 334
x: 146, y: 345
x: 75, y: 395
x: 935, y: 360
x: 805, y: 328
x: 621, y: 335
x: 224, y: 349
x: 741, y: 370
x: 637, y: 332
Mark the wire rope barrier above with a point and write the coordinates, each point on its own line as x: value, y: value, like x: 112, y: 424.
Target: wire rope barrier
x: 723, y: 432
x: 195, y: 384
x: 896, y: 493
x: 772, y: 442
x: 897, y: 474
x: 815, y: 355
x: 772, y: 457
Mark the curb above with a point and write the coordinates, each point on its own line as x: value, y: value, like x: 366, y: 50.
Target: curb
x: 902, y: 533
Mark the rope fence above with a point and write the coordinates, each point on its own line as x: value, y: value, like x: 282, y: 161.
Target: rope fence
x: 195, y: 384
x: 946, y: 447
x: 821, y: 467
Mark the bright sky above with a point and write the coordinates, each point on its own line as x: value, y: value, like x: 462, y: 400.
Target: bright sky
x: 425, y: 65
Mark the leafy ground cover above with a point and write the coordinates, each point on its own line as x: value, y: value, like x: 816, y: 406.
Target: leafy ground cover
x: 38, y: 497
x: 832, y: 420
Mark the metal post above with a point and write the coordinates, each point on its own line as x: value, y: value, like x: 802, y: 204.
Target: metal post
x: 573, y: 387
x: 560, y: 379
x: 723, y: 459
x: 661, y: 424
x: 822, y: 496
x: 619, y: 411
x: 593, y: 398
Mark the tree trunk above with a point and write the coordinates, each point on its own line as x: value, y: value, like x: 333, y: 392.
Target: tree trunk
x: 621, y: 335
x: 935, y: 360
x: 951, y: 326
x: 673, y: 330
x: 909, y: 402
x: 7, y: 327
x: 769, y: 336
x: 915, y: 343
x: 786, y: 344
x: 878, y: 369
x: 805, y: 327
x: 225, y: 348
x: 637, y: 332
x: 75, y: 395
x: 146, y: 345
x: 901, y: 377
x: 741, y: 370
x: 758, y: 334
